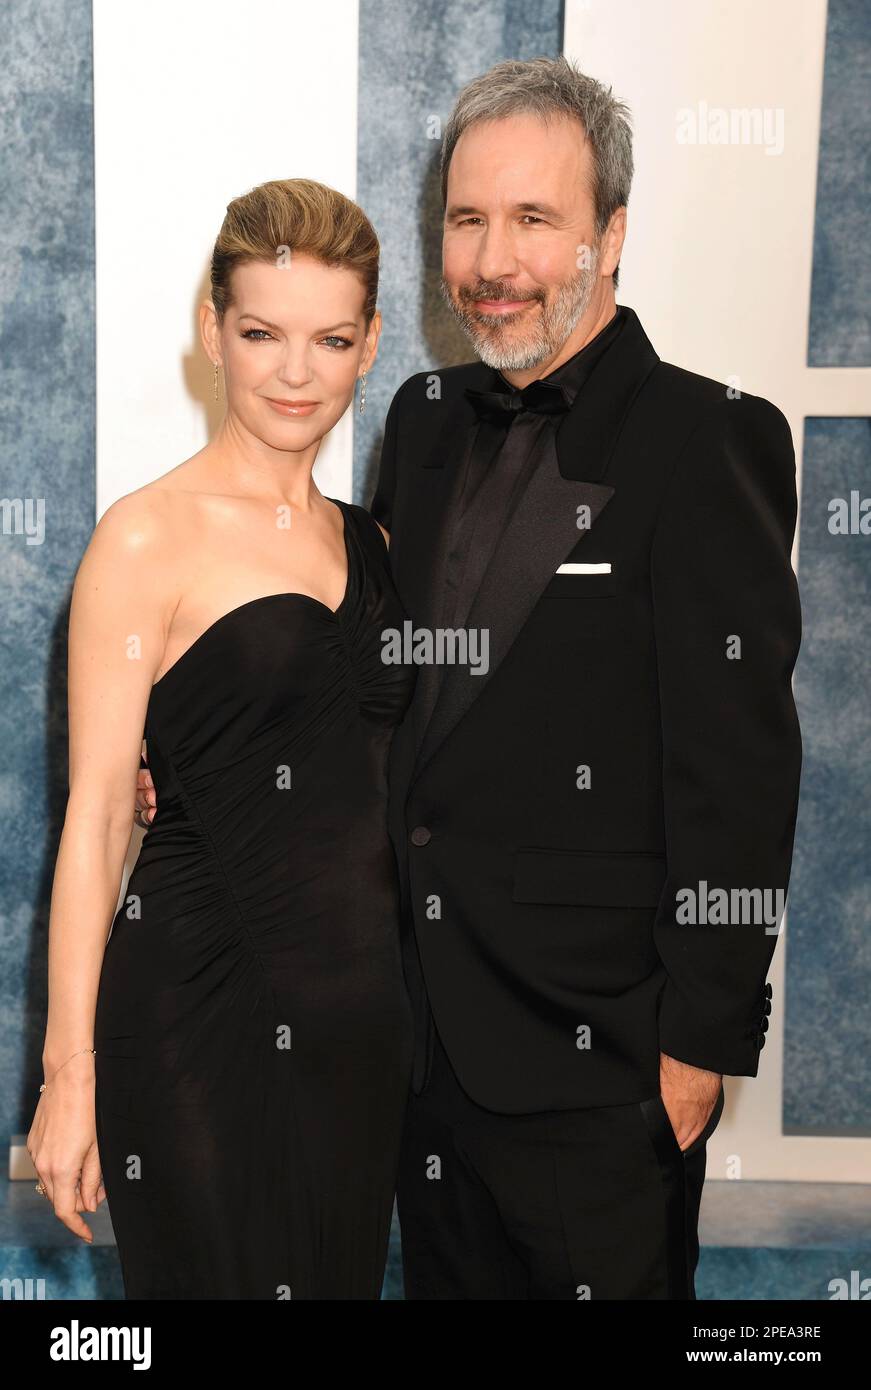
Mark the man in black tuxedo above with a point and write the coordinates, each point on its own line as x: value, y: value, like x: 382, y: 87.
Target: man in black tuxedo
x: 615, y: 533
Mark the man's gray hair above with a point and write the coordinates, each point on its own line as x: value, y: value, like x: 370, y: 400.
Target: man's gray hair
x: 549, y: 87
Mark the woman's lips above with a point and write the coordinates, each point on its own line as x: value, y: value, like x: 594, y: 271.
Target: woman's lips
x: 292, y: 407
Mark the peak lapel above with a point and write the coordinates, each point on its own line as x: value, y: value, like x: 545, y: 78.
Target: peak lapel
x: 420, y: 550
x: 541, y: 533
x: 543, y: 528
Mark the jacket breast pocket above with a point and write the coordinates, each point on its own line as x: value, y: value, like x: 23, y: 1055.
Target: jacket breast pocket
x: 581, y: 586
x: 588, y: 878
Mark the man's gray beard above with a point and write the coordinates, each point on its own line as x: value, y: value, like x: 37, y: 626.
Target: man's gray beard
x: 556, y: 323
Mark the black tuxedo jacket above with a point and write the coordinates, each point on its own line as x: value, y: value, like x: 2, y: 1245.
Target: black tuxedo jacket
x: 541, y: 903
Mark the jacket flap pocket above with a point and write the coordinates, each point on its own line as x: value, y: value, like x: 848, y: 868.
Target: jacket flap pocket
x: 588, y: 879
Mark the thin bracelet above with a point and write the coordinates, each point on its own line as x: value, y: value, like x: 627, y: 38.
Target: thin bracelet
x: 92, y: 1050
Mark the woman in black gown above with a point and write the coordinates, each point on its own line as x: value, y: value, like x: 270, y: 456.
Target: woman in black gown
x: 252, y: 1032
x: 253, y: 1035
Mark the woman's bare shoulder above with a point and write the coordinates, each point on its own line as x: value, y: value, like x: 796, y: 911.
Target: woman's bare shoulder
x: 150, y: 517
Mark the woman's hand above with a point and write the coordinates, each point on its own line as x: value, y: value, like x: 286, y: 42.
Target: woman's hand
x: 63, y: 1144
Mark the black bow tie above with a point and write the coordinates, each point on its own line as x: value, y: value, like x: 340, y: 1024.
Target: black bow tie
x: 500, y: 407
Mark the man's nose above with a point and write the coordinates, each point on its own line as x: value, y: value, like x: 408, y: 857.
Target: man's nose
x: 497, y: 258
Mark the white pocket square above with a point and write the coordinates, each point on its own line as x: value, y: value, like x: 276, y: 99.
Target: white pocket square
x: 604, y: 568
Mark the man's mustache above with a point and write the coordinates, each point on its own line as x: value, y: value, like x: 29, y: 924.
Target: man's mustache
x: 498, y: 295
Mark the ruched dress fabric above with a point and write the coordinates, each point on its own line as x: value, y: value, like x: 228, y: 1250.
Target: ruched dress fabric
x: 253, y: 1032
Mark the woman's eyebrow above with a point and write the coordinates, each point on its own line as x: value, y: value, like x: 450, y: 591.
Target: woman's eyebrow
x: 346, y: 323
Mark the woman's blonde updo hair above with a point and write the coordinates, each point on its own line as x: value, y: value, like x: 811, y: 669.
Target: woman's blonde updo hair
x: 306, y: 216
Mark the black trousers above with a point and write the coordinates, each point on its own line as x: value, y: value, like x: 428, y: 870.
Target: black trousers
x: 596, y: 1203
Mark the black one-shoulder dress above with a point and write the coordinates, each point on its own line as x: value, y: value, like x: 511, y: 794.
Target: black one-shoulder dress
x: 253, y: 1032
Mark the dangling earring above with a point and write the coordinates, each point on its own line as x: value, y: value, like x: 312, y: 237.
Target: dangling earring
x: 362, y: 393
x: 216, y: 381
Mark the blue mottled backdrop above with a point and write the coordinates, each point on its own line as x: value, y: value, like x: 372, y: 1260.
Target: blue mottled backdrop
x: 413, y: 58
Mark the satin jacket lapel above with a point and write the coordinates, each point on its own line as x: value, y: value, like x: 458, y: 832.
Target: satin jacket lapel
x: 543, y: 529
x: 540, y: 534
x: 426, y: 533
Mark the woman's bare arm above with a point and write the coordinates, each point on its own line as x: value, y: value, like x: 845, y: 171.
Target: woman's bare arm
x: 121, y: 609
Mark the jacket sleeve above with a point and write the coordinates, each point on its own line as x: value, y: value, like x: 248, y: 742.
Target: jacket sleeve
x: 385, y: 488
x: 727, y: 623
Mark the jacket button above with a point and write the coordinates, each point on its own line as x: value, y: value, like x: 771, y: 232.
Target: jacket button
x: 420, y: 835
x: 768, y: 991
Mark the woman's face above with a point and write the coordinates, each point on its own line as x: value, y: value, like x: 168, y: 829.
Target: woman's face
x: 292, y: 345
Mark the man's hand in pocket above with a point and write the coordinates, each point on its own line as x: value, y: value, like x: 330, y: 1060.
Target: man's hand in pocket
x: 689, y: 1095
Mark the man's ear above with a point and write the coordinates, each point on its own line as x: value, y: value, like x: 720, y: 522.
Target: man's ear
x: 612, y: 242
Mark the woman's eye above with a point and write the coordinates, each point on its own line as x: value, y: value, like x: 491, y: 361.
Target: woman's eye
x: 335, y: 340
